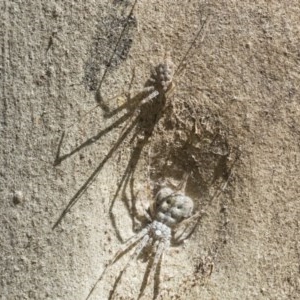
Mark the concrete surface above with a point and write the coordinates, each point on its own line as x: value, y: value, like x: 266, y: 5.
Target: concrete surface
x: 233, y: 118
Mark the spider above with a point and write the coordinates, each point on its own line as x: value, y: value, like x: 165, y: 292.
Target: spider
x: 158, y: 88
x: 170, y: 210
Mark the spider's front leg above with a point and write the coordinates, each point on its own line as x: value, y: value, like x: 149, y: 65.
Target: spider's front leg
x: 186, y: 227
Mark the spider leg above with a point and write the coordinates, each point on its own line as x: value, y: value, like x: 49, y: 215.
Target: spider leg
x: 128, y: 244
x: 152, y: 207
x: 141, y: 208
x: 146, y: 240
x: 146, y: 89
x: 159, y: 251
x: 126, y: 247
x: 162, y: 247
x: 182, y: 184
x: 171, y: 90
x: 149, y: 97
x: 180, y: 187
x: 186, y: 227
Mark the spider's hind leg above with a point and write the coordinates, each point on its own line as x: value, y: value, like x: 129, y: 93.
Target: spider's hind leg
x: 159, y: 251
x: 146, y: 240
x: 143, y: 237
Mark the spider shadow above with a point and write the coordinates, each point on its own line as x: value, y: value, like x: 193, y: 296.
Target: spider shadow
x: 147, y: 119
x: 141, y: 126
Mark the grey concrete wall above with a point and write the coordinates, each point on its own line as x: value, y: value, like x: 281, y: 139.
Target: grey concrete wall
x: 236, y: 97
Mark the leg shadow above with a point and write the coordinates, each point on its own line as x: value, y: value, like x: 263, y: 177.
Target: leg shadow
x: 144, y: 121
x: 128, y: 175
x: 93, y: 176
x: 59, y: 158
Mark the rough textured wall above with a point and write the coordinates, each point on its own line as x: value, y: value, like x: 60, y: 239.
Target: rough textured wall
x: 233, y: 118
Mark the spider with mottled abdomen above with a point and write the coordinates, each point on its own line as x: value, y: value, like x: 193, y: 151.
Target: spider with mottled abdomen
x: 171, y: 222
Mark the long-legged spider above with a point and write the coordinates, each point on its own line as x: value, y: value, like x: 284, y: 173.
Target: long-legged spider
x: 171, y: 222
